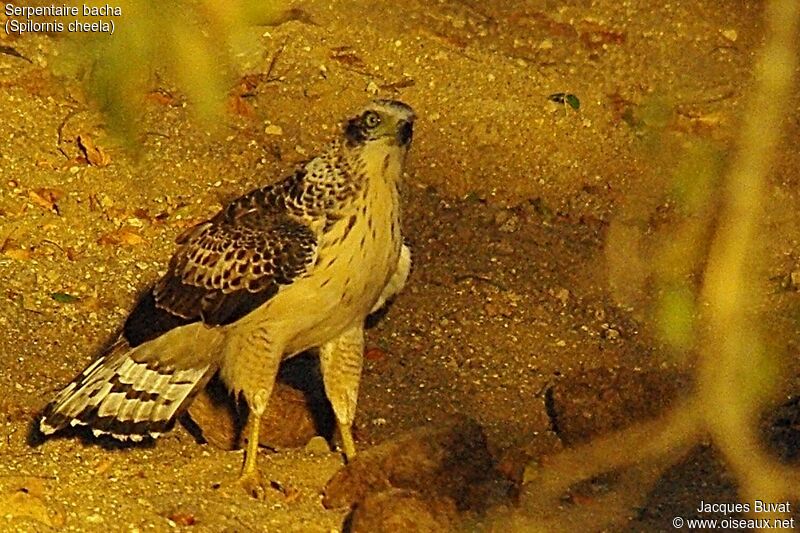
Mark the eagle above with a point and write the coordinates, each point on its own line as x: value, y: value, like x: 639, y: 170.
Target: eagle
x: 294, y: 265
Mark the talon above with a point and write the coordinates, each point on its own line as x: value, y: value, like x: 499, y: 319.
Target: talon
x: 250, y: 479
x: 252, y: 483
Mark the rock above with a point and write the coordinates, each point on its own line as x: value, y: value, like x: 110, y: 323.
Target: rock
x: 516, y: 459
x: 288, y: 422
x: 445, y: 460
x: 602, y: 400
x: 507, y: 221
x: 395, y: 510
x: 273, y: 129
x: 318, y: 446
x: 730, y: 34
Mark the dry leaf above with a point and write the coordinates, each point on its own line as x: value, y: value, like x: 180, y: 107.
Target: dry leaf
x: 400, y: 84
x: 94, y: 154
x: 124, y: 236
x: 17, y: 253
x: 348, y: 57
x: 248, y: 84
x: 142, y: 214
x: 182, y: 518
x: 374, y: 354
x: 595, y: 35
x: 10, y: 51
x: 163, y: 97
x: 43, y: 163
x: 241, y: 106
x: 46, y: 198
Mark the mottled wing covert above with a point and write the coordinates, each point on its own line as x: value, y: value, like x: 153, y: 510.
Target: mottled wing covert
x: 228, y: 264
x: 224, y: 269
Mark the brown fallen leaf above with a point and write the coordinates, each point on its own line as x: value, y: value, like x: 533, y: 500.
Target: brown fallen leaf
x: 10, y: 51
x: 123, y: 236
x: 240, y: 106
x: 19, y: 254
x: 348, y: 57
x: 142, y: 214
x: 182, y: 518
x: 46, y: 198
x: 399, y: 84
x: 594, y: 36
x: 248, y: 84
x: 94, y: 154
x: 43, y: 163
x: 374, y: 354
x: 163, y: 97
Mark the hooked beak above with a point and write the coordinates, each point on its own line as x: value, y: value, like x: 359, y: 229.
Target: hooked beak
x: 405, y: 131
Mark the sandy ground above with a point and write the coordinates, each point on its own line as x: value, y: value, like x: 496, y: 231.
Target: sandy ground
x: 509, y: 199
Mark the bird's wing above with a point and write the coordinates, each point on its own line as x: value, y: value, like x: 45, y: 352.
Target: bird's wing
x: 224, y: 269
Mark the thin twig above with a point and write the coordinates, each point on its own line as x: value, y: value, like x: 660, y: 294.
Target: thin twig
x: 274, y: 61
x: 60, y: 130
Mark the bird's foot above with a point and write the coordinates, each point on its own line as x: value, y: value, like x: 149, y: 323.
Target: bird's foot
x: 348, y: 445
x: 253, y: 484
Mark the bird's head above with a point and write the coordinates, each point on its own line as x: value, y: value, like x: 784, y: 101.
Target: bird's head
x: 387, y: 121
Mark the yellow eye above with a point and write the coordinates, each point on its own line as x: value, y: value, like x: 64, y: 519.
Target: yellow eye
x: 371, y: 119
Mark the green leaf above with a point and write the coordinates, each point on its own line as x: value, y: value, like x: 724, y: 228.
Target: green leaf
x: 565, y: 98
x: 63, y: 297
x: 573, y: 101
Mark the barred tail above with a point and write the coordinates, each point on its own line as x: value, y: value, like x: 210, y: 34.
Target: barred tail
x: 124, y: 398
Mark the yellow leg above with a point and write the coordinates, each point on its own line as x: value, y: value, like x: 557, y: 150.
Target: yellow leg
x: 347, y: 441
x: 251, y: 477
x: 340, y: 362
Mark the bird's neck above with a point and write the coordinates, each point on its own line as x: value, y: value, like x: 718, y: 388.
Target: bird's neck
x: 382, y: 162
